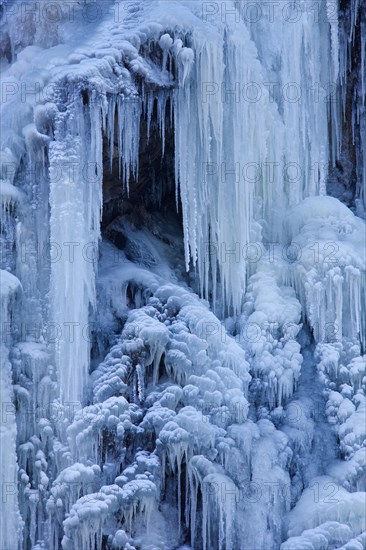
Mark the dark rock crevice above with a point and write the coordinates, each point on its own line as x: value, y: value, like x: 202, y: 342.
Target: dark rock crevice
x: 345, y: 179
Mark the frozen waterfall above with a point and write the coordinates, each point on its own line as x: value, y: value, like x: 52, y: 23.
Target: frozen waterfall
x: 183, y: 269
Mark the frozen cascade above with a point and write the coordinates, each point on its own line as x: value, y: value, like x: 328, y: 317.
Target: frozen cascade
x: 184, y: 434
x: 211, y: 420
x: 202, y: 104
x: 258, y: 165
x: 75, y: 199
x: 11, y: 522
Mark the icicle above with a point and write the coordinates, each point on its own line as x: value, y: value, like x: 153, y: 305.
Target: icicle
x: 150, y: 104
x: 11, y: 522
x: 333, y: 22
x: 162, y: 98
x: 128, y: 112
x: 229, y: 170
x: 111, y: 121
x: 140, y: 382
x: 76, y: 205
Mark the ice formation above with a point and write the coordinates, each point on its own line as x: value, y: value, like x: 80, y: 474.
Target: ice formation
x: 11, y: 523
x: 182, y: 289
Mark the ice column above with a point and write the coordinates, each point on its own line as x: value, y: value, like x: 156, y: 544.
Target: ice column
x: 76, y: 200
x: 10, y: 520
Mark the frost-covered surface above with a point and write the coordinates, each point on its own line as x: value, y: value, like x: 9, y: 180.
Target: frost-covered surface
x: 191, y: 372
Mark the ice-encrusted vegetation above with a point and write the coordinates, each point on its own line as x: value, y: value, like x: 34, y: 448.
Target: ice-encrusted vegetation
x: 183, y: 305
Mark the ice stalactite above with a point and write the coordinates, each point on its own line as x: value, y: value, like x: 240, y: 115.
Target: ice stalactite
x: 217, y: 519
x: 227, y: 91
x: 11, y: 521
x: 75, y: 199
x: 333, y: 18
x: 127, y: 112
x: 76, y: 206
x: 201, y: 110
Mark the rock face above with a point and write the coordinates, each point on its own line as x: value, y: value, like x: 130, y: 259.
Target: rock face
x: 347, y: 179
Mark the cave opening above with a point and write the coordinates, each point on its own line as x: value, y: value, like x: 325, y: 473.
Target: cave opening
x: 148, y: 196
x: 143, y: 222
